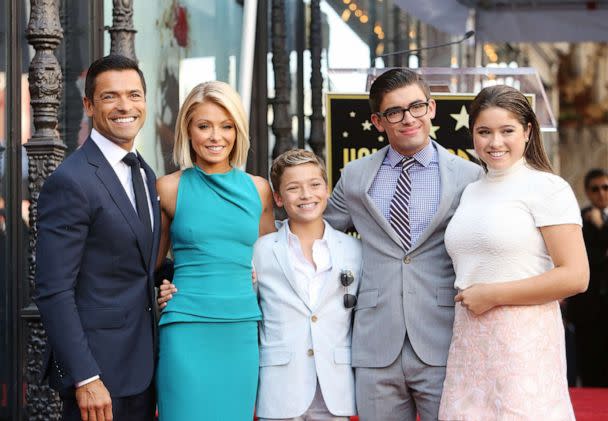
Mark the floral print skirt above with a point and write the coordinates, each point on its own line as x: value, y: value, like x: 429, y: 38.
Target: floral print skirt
x: 507, y: 364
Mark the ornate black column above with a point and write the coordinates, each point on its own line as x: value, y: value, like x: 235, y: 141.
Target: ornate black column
x: 281, y: 124
x: 317, y: 135
x: 122, y: 33
x: 45, y: 151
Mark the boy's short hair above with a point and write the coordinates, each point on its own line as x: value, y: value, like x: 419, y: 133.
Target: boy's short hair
x: 293, y: 158
x: 391, y: 80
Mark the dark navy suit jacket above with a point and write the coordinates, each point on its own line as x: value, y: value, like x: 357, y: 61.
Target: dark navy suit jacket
x: 94, y: 276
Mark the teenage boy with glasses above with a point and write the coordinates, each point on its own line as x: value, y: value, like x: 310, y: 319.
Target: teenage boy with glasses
x: 400, y: 200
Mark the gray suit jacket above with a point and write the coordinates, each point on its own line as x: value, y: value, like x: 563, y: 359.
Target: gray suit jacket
x: 400, y: 292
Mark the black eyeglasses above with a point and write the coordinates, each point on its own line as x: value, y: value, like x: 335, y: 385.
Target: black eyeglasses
x: 347, y: 278
x: 397, y: 114
x: 595, y: 189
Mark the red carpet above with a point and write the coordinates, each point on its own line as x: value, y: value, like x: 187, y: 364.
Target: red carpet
x: 590, y: 404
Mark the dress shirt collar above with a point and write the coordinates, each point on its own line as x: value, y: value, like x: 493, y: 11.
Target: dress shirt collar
x: 110, y: 150
x: 424, y: 156
x: 291, y: 237
x: 320, y: 248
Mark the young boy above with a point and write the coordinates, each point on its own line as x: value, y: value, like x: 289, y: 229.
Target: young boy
x: 307, y: 279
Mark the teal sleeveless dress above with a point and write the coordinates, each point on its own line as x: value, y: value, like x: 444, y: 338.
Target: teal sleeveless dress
x: 208, y: 344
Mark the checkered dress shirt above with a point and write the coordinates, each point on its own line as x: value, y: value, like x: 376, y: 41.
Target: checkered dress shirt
x: 426, y: 187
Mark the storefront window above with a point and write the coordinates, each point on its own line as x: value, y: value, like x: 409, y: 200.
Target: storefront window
x: 179, y: 44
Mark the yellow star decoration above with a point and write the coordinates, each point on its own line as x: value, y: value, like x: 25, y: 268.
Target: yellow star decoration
x: 433, y: 132
x: 367, y: 125
x: 462, y: 119
x: 345, y: 134
x: 380, y: 138
x: 352, y: 114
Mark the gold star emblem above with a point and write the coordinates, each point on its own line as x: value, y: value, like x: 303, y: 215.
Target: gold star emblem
x: 462, y: 119
x: 433, y: 132
x: 345, y: 134
x: 352, y: 114
x: 380, y: 138
x: 367, y: 125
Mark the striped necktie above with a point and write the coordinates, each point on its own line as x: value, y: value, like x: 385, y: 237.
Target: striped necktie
x: 399, y: 217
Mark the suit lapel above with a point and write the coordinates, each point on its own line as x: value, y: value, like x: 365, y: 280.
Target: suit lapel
x: 281, y: 252
x: 449, y: 184
x: 368, y: 176
x: 151, y: 183
x: 110, y: 181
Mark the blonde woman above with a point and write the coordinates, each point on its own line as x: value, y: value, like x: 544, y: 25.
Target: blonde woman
x: 212, y: 214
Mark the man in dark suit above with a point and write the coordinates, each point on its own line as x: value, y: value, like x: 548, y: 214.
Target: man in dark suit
x: 98, y: 232
x: 589, y: 311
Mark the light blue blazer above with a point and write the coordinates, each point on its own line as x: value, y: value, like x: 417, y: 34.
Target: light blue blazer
x: 300, y: 343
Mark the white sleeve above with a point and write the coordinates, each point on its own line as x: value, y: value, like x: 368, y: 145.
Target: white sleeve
x: 87, y: 381
x: 554, y: 202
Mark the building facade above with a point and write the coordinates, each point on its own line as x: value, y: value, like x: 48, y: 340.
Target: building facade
x: 45, y: 49
x: 279, y: 53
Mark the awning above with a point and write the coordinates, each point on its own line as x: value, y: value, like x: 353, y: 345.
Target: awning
x: 516, y: 20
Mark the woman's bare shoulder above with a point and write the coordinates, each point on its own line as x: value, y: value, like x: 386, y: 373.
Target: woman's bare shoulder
x: 167, y: 184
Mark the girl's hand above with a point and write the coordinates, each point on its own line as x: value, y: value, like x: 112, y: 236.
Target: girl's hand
x: 477, y: 298
x: 165, y: 293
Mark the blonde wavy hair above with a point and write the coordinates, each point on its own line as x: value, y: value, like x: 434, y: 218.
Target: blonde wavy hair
x: 293, y: 158
x: 225, y: 96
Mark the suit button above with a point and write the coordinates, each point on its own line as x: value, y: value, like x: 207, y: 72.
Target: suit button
x: 310, y: 352
x: 407, y: 260
x: 313, y: 318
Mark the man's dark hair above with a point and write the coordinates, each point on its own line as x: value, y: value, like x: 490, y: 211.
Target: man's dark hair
x: 105, y: 64
x: 594, y: 173
x: 391, y: 80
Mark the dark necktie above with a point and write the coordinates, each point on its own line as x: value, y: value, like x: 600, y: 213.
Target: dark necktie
x: 141, y: 200
x: 399, y: 210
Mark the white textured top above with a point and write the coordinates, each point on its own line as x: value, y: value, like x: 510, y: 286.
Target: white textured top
x: 494, y: 235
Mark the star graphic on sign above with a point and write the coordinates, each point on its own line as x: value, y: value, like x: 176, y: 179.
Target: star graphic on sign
x: 345, y: 134
x: 367, y: 125
x: 352, y: 114
x: 380, y: 138
x: 433, y: 132
x: 462, y: 119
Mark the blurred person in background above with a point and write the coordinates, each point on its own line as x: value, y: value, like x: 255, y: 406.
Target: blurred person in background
x: 588, y: 312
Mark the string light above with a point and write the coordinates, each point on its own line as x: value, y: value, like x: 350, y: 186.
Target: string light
x: 490, y: 52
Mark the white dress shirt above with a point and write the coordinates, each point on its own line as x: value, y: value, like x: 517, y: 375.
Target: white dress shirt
x: 114, y: 155
x: 308, y: 276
